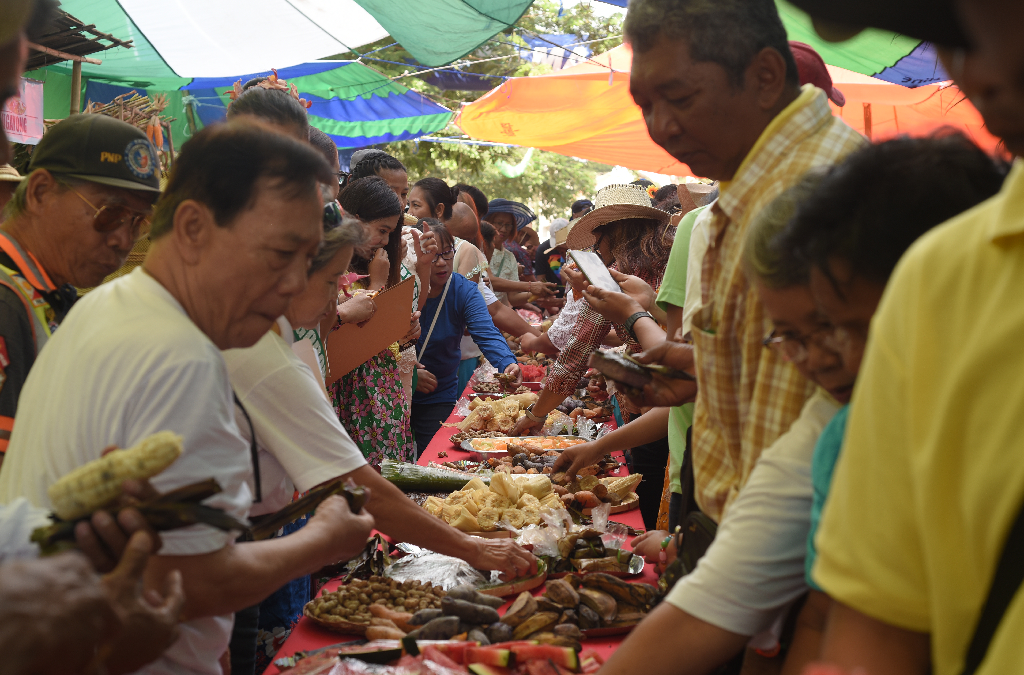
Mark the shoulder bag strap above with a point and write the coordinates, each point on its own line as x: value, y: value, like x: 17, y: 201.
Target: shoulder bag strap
x: 1007, y: 580
x: 447, y: 284
x: 253, y: 450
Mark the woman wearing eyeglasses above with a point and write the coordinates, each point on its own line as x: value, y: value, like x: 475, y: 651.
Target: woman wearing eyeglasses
x: 453, y: 304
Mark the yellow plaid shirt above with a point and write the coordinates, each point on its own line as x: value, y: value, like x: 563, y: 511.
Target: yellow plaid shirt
x: 748, y: 395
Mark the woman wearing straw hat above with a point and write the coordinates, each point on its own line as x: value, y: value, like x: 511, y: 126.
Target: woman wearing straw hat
x: 631, y: 237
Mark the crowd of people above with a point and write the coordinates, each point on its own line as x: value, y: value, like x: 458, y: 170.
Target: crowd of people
x: 825, y: 508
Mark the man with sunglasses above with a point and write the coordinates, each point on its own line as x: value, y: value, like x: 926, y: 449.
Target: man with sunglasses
x: 92, y: 183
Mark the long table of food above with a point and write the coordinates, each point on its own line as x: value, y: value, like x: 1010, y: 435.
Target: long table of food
x: 618, y: 599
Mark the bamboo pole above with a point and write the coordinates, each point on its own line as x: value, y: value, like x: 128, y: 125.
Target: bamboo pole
x: 867, y: 120
x: 76, y: 87
x: 190, y: 115
x: 64, y: 55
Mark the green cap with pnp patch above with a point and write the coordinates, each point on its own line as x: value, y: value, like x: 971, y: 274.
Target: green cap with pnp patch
x: 99, y: 149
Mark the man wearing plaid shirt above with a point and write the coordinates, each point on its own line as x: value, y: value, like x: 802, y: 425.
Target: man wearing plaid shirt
x: 719, y: 90
x: 736, y: 113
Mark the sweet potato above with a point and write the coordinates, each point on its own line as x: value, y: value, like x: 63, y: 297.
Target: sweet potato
x: 470, y: 612
x: 399, y: 619
x: 470, y: 594
x: 384, y: 633
x: 587, y: 498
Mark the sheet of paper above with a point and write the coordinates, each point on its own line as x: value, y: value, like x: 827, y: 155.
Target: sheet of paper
x: 352, y: 344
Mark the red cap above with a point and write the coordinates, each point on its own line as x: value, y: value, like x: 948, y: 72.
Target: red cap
x: 813, y: 71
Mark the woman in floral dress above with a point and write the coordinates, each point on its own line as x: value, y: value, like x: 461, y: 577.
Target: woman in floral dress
x: 370, y: 400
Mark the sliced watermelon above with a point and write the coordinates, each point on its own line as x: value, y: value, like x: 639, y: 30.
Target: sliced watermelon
x: 559, y: 656
x: 541, y: 667
x: 456, y: 651
x: 590, y: 661
x: 484, y: 669
x: 432, y: 653
x: 515, y: 643
x: 490, y: 656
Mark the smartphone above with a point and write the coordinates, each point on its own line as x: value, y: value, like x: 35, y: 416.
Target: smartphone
x: 595, y: 270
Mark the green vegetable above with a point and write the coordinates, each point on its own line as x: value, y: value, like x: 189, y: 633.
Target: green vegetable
x: 415, y: 478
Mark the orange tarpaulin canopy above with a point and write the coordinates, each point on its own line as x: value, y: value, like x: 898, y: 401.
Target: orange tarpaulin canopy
x: 586, y: 111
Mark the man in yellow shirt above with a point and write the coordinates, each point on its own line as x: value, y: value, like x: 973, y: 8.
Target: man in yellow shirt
x: 931, y: 479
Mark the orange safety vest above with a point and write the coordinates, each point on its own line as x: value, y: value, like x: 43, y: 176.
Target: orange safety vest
x: 29, y: 281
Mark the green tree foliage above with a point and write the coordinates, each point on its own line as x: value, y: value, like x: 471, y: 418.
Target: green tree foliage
x: 550, y: 184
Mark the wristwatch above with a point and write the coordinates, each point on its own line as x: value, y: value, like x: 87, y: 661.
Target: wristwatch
x: 631, y: 321
x: 531, y: 416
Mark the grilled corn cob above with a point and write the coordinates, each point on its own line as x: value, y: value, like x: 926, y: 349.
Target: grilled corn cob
x: 623, y: 486
x: 93, y: 485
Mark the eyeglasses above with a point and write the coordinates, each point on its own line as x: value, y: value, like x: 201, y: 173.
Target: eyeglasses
x: 446, y: 255
x: 110, y: 218
x: 794, y: 348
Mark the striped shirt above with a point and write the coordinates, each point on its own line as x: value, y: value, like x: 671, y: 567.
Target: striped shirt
x: 748, y: 395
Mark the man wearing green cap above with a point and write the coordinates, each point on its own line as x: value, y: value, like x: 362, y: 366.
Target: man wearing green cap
x: 92, y: 183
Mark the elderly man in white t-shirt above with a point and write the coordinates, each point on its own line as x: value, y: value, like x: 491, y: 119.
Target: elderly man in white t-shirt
x: 232, y: 238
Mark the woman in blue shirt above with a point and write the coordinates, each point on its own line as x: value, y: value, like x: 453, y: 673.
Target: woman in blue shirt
x: 457, y: 305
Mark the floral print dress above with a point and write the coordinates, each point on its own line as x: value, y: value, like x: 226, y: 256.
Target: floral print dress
x: 371, y: 404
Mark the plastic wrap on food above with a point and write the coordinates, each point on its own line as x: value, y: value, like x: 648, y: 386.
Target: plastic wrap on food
x: 558, y: 520
x: 586, y: 428
x: 599, y: 516
x: 557, y: 423
x: 615, y: 535
x: 440, y: 570
x: 462, y: 407
x: 407, y: 665
x: 603, y: 429
x: 485, y: 372
x: 543, y: 539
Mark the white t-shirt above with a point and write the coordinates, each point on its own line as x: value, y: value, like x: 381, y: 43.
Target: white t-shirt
x: 301, y: 442
x: 755, y: 566
x: 17, y: 520
x: 126, y: 363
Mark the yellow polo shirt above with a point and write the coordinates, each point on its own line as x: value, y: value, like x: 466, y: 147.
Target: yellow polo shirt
x: 932, y: 475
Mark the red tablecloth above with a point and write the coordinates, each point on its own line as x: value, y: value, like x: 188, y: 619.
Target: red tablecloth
x: 307, y: 635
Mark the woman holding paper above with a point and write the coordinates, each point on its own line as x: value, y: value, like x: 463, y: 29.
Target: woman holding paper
x: 453, y: 304
x: 370, y: 400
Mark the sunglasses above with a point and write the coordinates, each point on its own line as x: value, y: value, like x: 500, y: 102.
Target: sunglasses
x: 112, y: 217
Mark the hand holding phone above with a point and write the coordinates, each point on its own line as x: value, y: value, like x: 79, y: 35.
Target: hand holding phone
x: 595, y: 270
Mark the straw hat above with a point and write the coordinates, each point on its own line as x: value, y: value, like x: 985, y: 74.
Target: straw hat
x: 615, y: 202
x: 9, y: 174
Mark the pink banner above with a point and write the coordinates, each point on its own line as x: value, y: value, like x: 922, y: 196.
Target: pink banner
x: 23, y: 114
